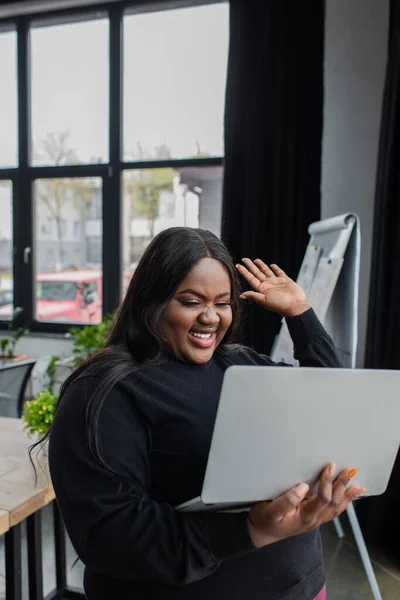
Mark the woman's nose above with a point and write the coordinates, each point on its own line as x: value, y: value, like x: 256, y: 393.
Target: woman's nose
x: 209, y: 316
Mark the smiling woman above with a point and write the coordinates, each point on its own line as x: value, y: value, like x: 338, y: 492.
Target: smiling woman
x: 199, y: 314
x: 132, y: 432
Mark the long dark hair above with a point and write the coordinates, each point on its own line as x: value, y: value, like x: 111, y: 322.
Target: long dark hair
x: 135, y: 337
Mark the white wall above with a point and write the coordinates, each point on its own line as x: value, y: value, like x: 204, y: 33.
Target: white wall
x: 356, y: 37
x: 39, y: 345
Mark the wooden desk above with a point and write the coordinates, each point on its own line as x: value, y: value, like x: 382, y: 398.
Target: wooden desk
x: 4, y: 521
x: 22, y: 498
x: 19, y: 494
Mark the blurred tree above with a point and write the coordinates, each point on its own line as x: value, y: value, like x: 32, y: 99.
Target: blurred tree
x: 200, y: 153
x: 58, y: 194
x: 144, y: 186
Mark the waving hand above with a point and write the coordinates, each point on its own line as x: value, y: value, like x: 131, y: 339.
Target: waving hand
x: 272, y: 288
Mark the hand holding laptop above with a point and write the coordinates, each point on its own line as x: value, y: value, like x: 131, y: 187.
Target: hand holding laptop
x: 293, y: 513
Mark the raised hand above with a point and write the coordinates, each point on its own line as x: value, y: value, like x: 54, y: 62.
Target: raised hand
x: 273, y: 289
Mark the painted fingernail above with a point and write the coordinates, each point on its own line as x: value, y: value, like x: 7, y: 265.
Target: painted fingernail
x: 352, y: 473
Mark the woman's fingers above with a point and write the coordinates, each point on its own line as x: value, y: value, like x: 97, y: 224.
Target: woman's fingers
x: 349, y: 496
x: 313, y: 508
x: 264, y: 268
x: 256, y: 273
x: 343, y: 495
x: 259, y: 270
x: 324, y: 495
x: 332, y: 498
x: 292, y: 514
x: 254, y: 269
x: 256, y: 296
x: 340, y: 485
x: 249, y: 277
x: 279, y: 508
x: 278, y: 271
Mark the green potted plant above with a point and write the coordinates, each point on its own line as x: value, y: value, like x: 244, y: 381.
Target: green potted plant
x: 87, y: 340
x: 38, y: 413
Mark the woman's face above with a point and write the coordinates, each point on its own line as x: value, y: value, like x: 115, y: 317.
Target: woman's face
x: 199, y: 314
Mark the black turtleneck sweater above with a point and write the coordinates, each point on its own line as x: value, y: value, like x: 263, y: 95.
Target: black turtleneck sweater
x: 155, y: 431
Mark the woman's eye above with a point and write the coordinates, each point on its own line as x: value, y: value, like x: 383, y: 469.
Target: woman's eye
x: 197, y: 303
x: 189, y: 302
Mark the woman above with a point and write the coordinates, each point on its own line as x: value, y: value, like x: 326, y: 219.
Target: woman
x: 132, y: 432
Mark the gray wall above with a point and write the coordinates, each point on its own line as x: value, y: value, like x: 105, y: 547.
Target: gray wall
x: 356, y: 36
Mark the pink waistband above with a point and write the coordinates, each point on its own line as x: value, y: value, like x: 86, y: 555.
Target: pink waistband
x: 322, y: 594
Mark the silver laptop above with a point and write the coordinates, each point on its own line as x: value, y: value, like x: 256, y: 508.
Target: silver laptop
x: 277, y: 426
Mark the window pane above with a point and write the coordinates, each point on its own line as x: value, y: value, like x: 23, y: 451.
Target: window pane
x: 70, y: 93
x: 174, y: 82
x: 8, y: 99
x: 206, y: 182
x: 155, y: 199
x: 6, y: 245
x: 68, y: 234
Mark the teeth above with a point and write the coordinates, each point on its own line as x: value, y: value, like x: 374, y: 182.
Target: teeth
x: 203, y: 336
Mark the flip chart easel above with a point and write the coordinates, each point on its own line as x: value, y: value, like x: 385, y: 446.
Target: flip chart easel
x: 329, y: 275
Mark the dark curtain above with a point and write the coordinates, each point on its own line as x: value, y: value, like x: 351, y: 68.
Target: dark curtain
x: 273, y: 132
x: 380, y: 517
x: 383, y: 334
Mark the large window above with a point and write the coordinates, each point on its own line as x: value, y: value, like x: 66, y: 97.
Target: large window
x: 70, y: 93
x: 8, y: 99
x: 68, y: 250
x: 112, y: 133
x: 174, y: 84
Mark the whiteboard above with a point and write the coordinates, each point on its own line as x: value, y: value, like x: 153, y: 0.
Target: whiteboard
x: 329, y: 274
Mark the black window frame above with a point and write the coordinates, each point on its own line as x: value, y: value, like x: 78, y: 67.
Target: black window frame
x: 24, y: 174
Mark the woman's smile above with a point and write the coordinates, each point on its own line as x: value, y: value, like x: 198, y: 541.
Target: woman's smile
x: 199, y: 314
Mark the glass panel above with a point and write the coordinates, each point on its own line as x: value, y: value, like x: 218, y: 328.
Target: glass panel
x: 174, y: 82
x: 155, y: 199
x: 70, y: 87
x: 68, y: 234
x: 8, y: 99
x: 6, y: 245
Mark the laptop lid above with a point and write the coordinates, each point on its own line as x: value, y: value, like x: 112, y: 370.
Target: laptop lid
x: 277, y: 426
